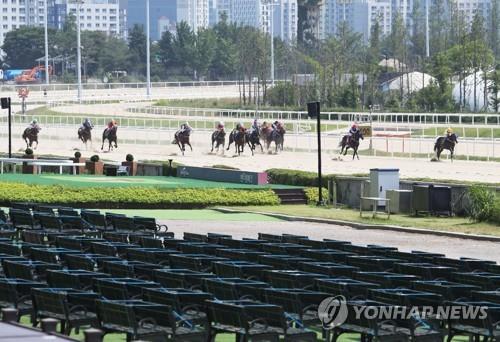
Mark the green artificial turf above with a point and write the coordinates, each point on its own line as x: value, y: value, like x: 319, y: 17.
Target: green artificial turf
x: 103, y: 181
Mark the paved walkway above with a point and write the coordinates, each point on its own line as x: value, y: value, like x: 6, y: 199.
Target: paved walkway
x: 452, y: 247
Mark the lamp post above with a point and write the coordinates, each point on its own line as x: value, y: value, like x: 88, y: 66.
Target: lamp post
x: 47, y: 80
x: 148, y: 53
x: 271, y: 5
x: 78, y: 48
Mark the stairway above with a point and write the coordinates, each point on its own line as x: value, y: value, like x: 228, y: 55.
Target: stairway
x: 291, y: 196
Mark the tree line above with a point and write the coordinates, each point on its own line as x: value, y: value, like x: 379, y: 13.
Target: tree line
x: 343, y: 70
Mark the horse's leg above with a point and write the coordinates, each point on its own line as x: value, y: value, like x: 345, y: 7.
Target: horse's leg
x: 191, y: 147
x: 451, y: 154
x: 217, y: 147
x: 438, y: 154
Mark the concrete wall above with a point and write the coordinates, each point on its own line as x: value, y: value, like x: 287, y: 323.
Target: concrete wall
x: 349, y: 190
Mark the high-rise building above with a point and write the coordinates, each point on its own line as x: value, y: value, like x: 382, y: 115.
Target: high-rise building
x: 16, y: 14
x: 95, y: 15
x: 283, y: 14
x: 158, y: 9
x: 359, y: 15
x: 193, y: 12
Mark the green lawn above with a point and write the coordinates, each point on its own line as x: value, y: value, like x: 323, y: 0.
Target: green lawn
x: 196, y: 215
x: 47, y: 116
x: 462, y: 132
x: 103, y: 181
x: 448, y: 224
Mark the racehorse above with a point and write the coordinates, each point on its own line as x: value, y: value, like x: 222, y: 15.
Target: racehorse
x: 240, y: 139
x: 445, y: 143
x: 219, y: 137
x: 253, y: 140
x: 182, y: 139
x: 84, y: 134
x: 353, y: 143
x: 276, y: 135
x: 110, y: 135
x: 30, y: 135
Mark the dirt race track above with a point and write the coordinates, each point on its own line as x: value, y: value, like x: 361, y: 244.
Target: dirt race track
x: 144, y: 146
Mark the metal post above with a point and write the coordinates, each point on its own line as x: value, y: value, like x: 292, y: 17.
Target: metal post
x: 320, y: 179
x: 10, y: 126
x: 272, y: 41
x: 79, y: 49
x: 148, y: 52
x: 47, y: 80
x: 427, y: 47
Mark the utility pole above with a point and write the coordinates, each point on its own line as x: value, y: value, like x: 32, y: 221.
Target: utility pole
x: 47, y: 79
x: 148, y: 53
x: 427, y: 44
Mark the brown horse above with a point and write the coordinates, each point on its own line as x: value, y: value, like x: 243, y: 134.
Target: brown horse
x: 181, y: 139
x: 30, y: 135
x: 218, y: 138
x: 276, y: 135
x: 446, y: 143
x: 353, y: 143
x: 110, y: 135
x: 240, y: 139
x: 85, y: 134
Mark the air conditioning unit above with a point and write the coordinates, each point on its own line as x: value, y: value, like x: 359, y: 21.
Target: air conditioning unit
x: 440, y: 200
x: 382, y: 180
x: 432, y: 199
x: 400, y: 201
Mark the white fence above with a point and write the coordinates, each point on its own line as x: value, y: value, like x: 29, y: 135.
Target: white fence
x: 147, y: 130
x: 393, y: 118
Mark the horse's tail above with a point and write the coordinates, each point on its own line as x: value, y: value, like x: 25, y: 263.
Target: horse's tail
x: 341, y: 141
x: 436, y: 145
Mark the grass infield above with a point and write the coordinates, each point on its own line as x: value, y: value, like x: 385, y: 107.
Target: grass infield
x: 103, y: 181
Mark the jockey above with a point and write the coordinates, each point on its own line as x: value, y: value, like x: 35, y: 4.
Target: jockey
x: 240, y: 127
x: 352, y: 132
x: 34, y: 125
x: 220, y: 126
x: 185, y: 128
x: 448, y: 133
x: 111, y: 124
x: 87, y: 124
x: 255, y: 125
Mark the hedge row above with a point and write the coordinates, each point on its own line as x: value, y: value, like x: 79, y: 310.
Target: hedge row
x: 296, y: 177
x: 133, y: 197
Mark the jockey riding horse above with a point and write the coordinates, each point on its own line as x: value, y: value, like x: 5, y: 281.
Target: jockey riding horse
x: 447, y: 142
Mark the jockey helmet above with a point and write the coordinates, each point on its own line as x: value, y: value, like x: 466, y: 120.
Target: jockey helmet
x: 449, y: 130
x: 34, y: 122
x: 354, y: 126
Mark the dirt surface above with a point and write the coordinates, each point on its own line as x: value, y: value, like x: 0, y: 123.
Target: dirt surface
x: 451, y: 247
x: 156, y: 145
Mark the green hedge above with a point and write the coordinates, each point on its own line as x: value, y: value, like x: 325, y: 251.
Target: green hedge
x: 133, y: 198
x: 296, y: 177
x: 495, y: 213
x: 312, y: 194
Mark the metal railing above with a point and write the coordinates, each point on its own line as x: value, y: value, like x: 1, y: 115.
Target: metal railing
x: 299, y: 137
x: 393, y: 118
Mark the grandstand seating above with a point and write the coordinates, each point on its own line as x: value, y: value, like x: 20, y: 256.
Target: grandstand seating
x: 130, y: 275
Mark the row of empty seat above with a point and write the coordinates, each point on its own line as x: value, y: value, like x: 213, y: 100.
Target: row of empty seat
x: 131, y: 275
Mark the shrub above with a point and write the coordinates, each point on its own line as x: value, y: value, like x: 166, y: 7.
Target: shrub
x: 129, y: 158
x: 28, y: 151
x: 78, y: 155
x: 94, y: 158
x: 296, y: 177
x: 132, y: 197
x: 481, y: 203
x: 495, y: 212
x: 312, y: 195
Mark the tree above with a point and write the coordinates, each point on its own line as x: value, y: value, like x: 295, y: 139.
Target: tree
x: 137, y: 50
x: 494, y: 88
x: 24, y: 45
x: 205, y: 51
